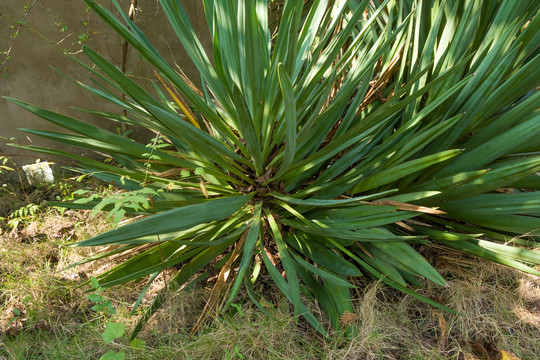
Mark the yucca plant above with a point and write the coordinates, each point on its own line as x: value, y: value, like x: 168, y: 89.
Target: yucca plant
x: 328, y: 141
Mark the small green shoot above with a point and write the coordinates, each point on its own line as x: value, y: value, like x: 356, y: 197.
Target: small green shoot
x: 112, y: 330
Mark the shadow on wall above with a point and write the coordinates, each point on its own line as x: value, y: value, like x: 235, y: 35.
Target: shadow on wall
x: 52, y: 28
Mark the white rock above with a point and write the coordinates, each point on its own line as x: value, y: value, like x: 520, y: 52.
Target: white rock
x: 38, y: 173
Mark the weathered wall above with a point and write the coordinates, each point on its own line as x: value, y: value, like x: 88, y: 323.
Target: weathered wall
x: 52, y: 27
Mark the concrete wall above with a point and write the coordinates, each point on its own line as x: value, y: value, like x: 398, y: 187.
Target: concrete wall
x: 56, y: 26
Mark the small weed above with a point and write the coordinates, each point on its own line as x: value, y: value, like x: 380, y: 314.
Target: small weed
x: 22, y: 216
x: 102, y: 304
x: 17, y: 315
x: 235, y: 355
x: 113, y: 330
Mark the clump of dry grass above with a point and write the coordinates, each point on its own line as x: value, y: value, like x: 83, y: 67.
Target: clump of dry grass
x: 246, y: 332
x: 496, y: 310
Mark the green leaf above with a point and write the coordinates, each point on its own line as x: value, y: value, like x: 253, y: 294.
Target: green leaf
x: 94, y: 282
x: 288, y: 263
x: 185, y: 173
x: 186, y: 217
x: 317, y: 202
x: 321, y: 294
x: 95, y: 298
x: 412, y: 260
x: 247, y: 127
x: 496, y: 204
x: 112, y: 331
x: 382, y: 263
x: 111, y: 355
x: 198, y: 171
x: 284, y: 287
x: 400, y: 171
x: 247, y: 252
x: 321, y: 255
x: 137, y: 344
x: 290, y: 120
x: 98, y: 307
x: 479, y: 249
x: 322, y: 273
x: 496, y: 147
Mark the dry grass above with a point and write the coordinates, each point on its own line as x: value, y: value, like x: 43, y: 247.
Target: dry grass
x: 498, y: 309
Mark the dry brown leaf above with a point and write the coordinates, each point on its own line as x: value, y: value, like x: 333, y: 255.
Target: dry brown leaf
x: 219, y: 287
x: 264, y: 177
x: 188, y: 81
x: 505, y: 190
x: 170, y: 173
x: 443, y: 265
x: 348, y: 319
x: 64, y: 232
x: 486, y: 349
x: 405, y: 226
x: 42, y: 325
x: 13, y: 330
x: 270, y: 256
x: 380, y: 82
x: 203, y: 187
x: 442, y: 342
x: 364, y: 250
x: 190, y: 117
x: 505, y: 355
x: 409, y: 207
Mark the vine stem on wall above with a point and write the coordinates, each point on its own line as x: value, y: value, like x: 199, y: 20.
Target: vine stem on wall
x: 20, y: 24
